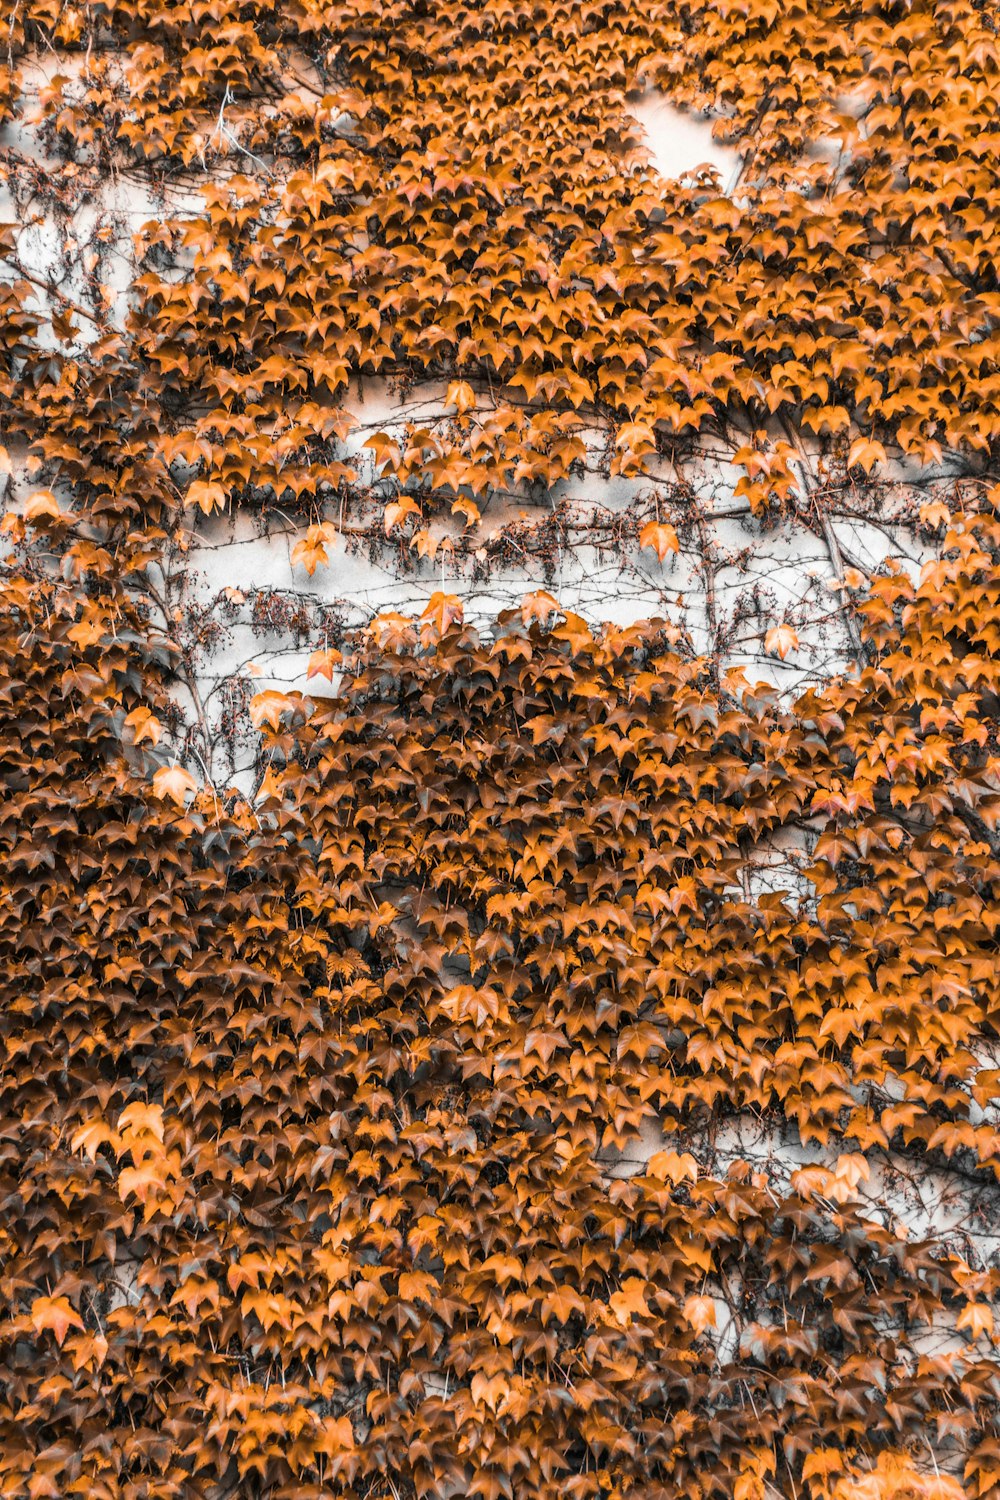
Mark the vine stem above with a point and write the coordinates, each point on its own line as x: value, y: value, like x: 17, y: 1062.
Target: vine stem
x: 705, y: 542
x: 829, y: 535
x: 53, y: 290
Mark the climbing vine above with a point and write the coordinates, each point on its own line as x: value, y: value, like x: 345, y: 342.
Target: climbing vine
x: 560, y: 1064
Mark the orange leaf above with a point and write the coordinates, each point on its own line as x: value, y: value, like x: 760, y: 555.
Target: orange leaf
x: 144, y: 724
x: 670, y: 1166
x: 311, y: 551
x: 43, y: 506
x: 467, y: 508
x: 661, y: 537
x: 397, y: 511
x: 208, y: 495
x: 977, y: 1317
x: 324, y: 663
x: 423, y: 543
x: 866, y: 453
x: 142, y: 1119
x: 56, y: 1314
x: 268, y: 707
x: 174, y: 782
x: 140, y: 1180
x: 461, y: 396
x: 780, y: 640
x: 91, y: 1136
x: 630, y: 1301
x: 934, y: 513
x: 700, y: 1313
x: 443, y: 611
x: 537, y: 606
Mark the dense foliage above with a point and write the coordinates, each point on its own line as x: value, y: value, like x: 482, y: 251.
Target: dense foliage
x: 324, y: 1118
x: 454, y: 1113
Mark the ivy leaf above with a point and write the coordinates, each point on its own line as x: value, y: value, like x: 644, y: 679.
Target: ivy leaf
x: 397, y: 511
x: 671, y: 1166
x: 324, y: 663
x: 207, y: 495
x: 388, y: 454
x: 424, y: 543
x: 144, y: 725
x: 561, y: 1304
x: 537, y: 606
x: 661, y: 537
x: 55, y: 1315
x: 866, y: 453
x: 310, y: 552
x: 141, y: 1180
x: 700, y: 1313
x: 91, y: 1136
x: 141, y: 1119
x: 175, y: 783
x: 934, y: 513
x: 269, y: 708
x: 977, y: 1317
x: 392, y: 631
x: 468, y: 509
x: 780, y: 640
x: 629, y: 1301
x: 44, y: 509
x: 442, y: 612
x: 461, y: 396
